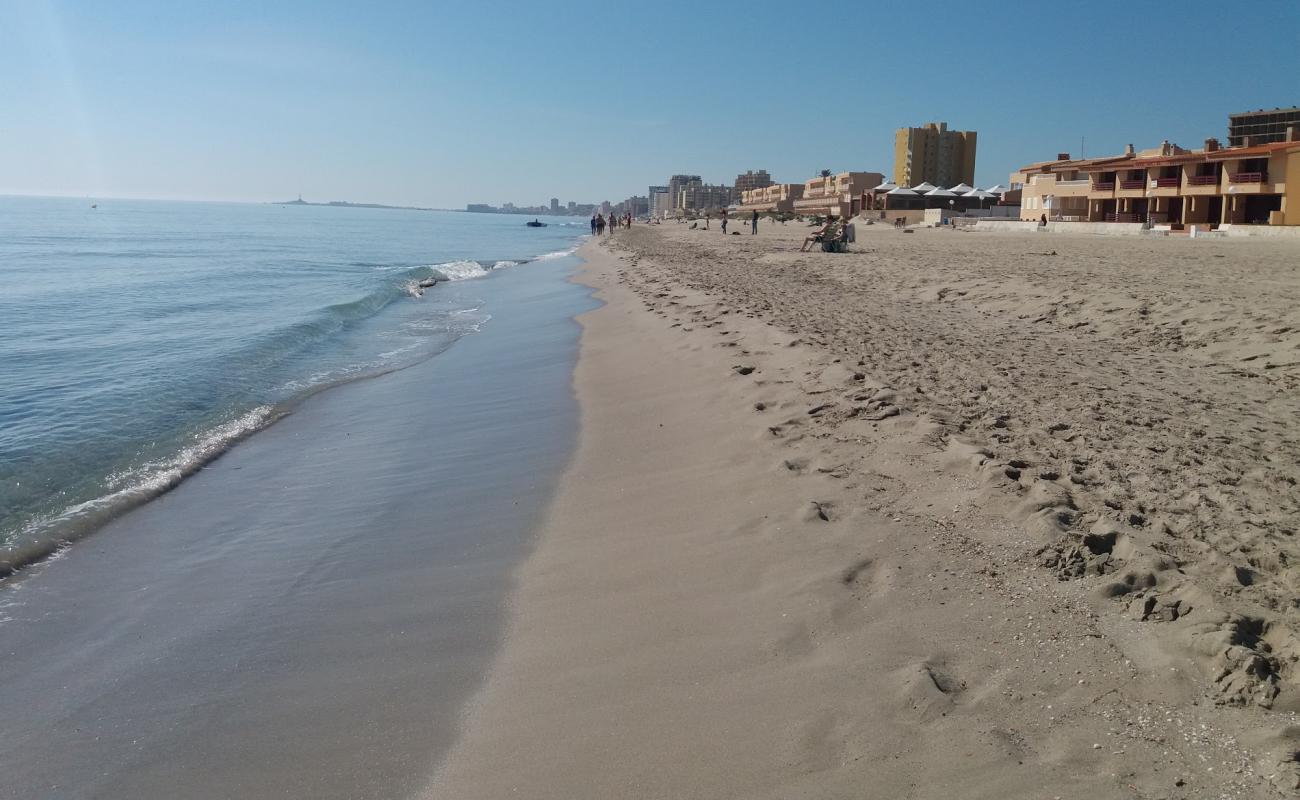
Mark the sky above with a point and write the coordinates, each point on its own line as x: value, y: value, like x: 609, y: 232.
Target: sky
x: 445, y: 103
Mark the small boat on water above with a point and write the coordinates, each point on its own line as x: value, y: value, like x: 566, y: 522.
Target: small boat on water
x: 535, y: 224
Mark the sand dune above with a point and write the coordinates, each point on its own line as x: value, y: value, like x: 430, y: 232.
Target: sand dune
x: 957, y: 514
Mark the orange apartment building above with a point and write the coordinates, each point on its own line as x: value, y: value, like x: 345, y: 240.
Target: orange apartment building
x: 1255, y: 184
x: 836, y: 195
x: 778, y: 198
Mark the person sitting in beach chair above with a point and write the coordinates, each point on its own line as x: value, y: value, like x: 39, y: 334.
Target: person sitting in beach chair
x: 838, y: 240
x: 829, y: 229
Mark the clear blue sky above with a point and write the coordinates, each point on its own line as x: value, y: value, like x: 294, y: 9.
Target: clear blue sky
x: 443, y: 103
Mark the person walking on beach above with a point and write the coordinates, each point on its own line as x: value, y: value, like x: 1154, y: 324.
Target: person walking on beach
x: 600, y: 224
x: 724, y: 222
x: 753, y: 224
x: 593, y: 224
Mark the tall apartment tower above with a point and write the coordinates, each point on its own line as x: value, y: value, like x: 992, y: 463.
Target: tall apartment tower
x: 660, y: 206
x: 678, y: 182
x: 935, y: 154
x: 752, y: 179
x: 555, y: 205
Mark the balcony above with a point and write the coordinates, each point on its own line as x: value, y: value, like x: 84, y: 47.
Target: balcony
x: 1248, y: 177
x: 1166, y: 183
x: 1103, y: 186
x: 1133, y: 184
x: 1202, y: 180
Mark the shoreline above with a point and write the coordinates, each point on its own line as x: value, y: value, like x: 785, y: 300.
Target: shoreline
x: 307, y: 614
x: 768, y: 573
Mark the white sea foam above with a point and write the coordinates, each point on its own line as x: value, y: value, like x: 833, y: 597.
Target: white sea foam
x: 556, y: 254
x: 152, y: 478
x: 459, y: 270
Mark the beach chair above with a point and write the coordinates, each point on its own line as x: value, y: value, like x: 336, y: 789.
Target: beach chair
x: 836, y: 240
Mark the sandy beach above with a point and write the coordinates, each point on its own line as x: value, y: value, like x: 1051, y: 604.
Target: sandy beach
x: 956, y: 514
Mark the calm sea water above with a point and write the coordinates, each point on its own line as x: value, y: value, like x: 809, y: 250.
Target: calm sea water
x: 139, y: 340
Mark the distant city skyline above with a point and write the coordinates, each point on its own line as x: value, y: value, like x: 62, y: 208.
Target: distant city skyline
x: 423, y: 105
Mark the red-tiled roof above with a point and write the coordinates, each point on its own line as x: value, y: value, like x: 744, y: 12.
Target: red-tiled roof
x: 1252, y: 151
x: 1135, y: 162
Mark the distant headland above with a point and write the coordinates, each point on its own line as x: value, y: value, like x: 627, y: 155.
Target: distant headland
x: 346, y: 204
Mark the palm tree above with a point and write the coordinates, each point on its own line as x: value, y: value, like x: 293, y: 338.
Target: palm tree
x: 825, y: 173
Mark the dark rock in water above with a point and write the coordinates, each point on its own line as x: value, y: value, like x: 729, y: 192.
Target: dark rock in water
x: 428, y: 283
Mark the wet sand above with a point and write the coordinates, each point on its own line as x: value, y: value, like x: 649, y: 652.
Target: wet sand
x: 306, y: 616
x: 912, y: 522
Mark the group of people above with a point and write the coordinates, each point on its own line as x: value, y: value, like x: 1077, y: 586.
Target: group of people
x: 599, y: 222
x: 753, y: 222
x: 838, y: 230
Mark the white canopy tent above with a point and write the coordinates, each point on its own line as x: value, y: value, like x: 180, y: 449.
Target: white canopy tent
x: 980, y: 196
x: 898, y: 198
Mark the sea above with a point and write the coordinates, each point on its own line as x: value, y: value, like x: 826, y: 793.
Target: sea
x: 262, y: 494
x: 139, y: 340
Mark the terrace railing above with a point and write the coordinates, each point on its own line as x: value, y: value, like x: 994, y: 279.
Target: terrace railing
x: 1202, y: 180
x: 1167, y: 183
x: 1103, y: 186
x: 1123, y: 218
x: 1248, y: 177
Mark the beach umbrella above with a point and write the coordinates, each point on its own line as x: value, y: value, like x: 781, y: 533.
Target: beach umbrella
x: 897, y: 192
x: 937, y: 192
x: 998, y: 190
x: 980, y: 195
x: 922, y: 188
x: 885, y: 187
x: 961, y: 188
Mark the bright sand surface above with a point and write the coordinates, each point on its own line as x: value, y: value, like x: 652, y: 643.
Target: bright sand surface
x: 954, y: 515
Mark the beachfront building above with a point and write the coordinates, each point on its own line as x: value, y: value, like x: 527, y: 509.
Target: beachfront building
x: 634, y: 205
x: 835, y: 195
x: 652, y: 194
x: 1261, y: 127
x: 660, y: 205
x: 778, y: 198
x: 1057, y: 188
x: 704, y: 197
x: 675, y: 186
x: 752, y: 179
x: 934, y: 154
x: 1257, y: 184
